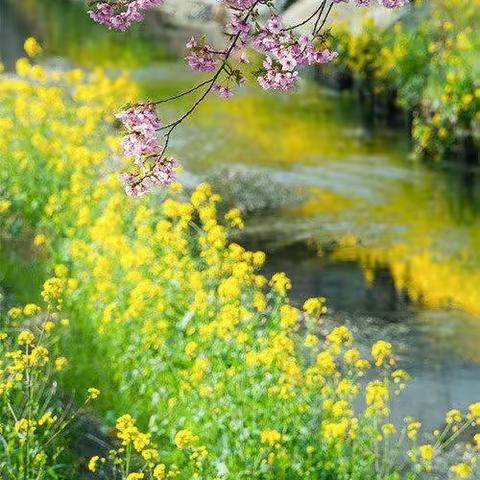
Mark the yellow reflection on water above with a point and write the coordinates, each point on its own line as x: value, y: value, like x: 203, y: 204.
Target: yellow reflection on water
x: 397, y: 214
x: 288, y: 129
x: 445, y: 282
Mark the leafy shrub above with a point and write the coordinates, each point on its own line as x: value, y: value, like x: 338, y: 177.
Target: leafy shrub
x: 431, y: 58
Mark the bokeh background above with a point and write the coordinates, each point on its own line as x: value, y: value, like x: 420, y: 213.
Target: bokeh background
x: 362, y: 185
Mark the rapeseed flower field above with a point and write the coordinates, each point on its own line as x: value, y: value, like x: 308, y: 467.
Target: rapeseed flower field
x: 152, y: 320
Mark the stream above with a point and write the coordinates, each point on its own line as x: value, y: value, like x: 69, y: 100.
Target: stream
x: 392, y: 244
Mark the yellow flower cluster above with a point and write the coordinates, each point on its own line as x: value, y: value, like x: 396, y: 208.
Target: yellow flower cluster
x: 270, y: 437
x: 185, y: 439
x: 29, y: 411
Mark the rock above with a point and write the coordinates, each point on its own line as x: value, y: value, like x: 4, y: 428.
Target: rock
x: 204, y: 17
x: 252, y: 190
x: 195, y: 13
x: 209, y: 16
x: 342, y: 12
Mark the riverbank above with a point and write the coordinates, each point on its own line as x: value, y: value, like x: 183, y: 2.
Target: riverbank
x: 390, y: 242
x: 356, y: 225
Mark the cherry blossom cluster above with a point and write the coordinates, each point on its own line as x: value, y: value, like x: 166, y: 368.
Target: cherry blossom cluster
x: 151, y: 168
x: 284, y: 53
x: 119, y: 15
x: 253, y: 25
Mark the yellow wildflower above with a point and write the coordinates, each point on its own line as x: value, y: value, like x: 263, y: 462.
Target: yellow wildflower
x: 270, y: 437
x: 93, y: 393
x: 426, y: 451
x: 280, y: 283
x: 191, y: 348
x: 462, y: 470
x: 31, y: 309
x: 14, y: 312
x: 382, y: 353
x: 185, y: 438
x: 388, y: 429
x: 92, y: 464
x: 60, y: 363
x: 453, y: 416
x: 47, y: 418
x: 234, y: 216
x: 135, y: 476
x: 412, y: 429
x: 25, y: 338
x: 159, y: 472
x: 39, y: 240
x: 32, y: 47
x: 315, y: 306
x: 474, y: 412
x: 4, y: 204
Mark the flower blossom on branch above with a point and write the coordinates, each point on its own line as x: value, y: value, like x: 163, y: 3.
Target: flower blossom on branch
x: 253, y: 25
x: 119, y: 15
x: 151, y: 167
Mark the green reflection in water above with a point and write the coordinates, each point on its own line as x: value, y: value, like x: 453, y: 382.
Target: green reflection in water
x: 66, y: 30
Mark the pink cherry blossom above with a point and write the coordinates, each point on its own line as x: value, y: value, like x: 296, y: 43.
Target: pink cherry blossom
x: 121, y: 15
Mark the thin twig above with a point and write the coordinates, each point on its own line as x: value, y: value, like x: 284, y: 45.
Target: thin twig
x: 179, y: 95
x: 293, y: 27
x: 315, y: 27
x: 325, y: 19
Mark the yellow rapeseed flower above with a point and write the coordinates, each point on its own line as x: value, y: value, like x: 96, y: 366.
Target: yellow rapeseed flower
x: 47, y: 419
x: 315, y: 306
x: 185, y: 439
x: 191, y: 348
x: 92, y: 464
x: 31, y: 309
x: 25, y: 338
x: 159, y: 472
x: 135, y: 476
x: 270, y: 437
x: 60, y: 363
x: 382, y: 353
x: 39, y: 240
x: 280, y: 283
x: 32, y: 47
x: 4, y: 204
x: 462, y: 470
x: 93, y: 393
x: 426, y: 451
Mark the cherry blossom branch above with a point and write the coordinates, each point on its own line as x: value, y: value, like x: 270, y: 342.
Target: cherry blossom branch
x: 210, y: 83
x: 183, y: 94
x: 322, y: 8
x: 283, y: 51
